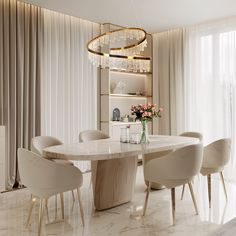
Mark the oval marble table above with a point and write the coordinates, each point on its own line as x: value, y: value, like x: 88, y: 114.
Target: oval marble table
x: 114, y: 164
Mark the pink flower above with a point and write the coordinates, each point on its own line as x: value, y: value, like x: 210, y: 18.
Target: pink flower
x: 161, y: 109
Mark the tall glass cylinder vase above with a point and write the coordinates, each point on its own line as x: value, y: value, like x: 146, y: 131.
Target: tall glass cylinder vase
x: 144, y: 132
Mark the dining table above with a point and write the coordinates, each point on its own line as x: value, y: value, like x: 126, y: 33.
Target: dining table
x: 114, y: 164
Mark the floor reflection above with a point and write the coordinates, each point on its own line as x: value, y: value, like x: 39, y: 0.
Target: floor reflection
x: 127, y: 219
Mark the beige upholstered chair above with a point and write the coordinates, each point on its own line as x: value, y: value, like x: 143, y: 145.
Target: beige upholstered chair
x: 215, y: 156
x: 45, y: 178
x: 37, y: 145
x: 175, y: 169
x: 89, y: 135
x: 148, y: 157
x: 40, y: 142
x: 193, y: 135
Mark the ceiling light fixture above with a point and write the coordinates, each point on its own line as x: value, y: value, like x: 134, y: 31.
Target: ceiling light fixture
x: 120, y: 50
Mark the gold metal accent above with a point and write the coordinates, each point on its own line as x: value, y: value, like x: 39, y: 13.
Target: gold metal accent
x: 119, y: 48
x: 223, y: 182
x: 209, y: 189
x: 107, y: 23
x: 173, y: 204
x: 146, y: 199
x: 193, y: 197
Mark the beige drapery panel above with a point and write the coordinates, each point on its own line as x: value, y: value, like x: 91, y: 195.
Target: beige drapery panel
x: 20, y: 52
x: 168, y: 76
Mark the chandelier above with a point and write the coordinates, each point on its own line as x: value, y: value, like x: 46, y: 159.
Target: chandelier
x: 120, y: 50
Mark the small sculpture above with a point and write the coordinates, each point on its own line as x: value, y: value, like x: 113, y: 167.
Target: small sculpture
x: 116, y: 114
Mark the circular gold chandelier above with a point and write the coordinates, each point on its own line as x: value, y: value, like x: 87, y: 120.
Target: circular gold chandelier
x: 120, y: 50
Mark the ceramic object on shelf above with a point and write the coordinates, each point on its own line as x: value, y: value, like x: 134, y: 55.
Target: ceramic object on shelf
x: 125, y: 118
x: 120, y: 88
x: 116, y: 114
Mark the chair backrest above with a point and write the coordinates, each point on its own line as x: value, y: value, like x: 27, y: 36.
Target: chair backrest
x: 89, y: 135
x: 182, y: 164
x: 45, y: 178
x: 40, y: 142
x: 192, y: 134
x: 217, y: 153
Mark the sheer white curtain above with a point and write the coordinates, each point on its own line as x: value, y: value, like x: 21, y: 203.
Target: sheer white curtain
x: 195, y: 81
x: 69, y: 81
x: 210, y: 76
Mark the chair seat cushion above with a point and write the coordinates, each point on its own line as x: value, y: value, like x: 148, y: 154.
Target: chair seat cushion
x: 208, y: 171
x: 63, y: 162
x: 172, y: 183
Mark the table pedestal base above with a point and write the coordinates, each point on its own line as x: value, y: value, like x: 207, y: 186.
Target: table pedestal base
x: 113, y: 181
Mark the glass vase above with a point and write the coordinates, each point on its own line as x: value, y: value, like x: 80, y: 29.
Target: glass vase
x: 144, y: 132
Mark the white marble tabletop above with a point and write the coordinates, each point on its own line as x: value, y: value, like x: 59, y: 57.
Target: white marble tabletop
x: 110, y: 149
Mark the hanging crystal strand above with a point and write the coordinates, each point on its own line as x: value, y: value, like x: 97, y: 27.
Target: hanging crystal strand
x: 114, y: 65
x: 140, y: 69
x: 110, y: 63
x: 98, y: 60
x: 113, y: 37
x: 107, y: 39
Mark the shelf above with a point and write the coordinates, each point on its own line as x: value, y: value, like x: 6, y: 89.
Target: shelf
x: 125, y: 123
x: 128, y: 96
x: 132, y: 72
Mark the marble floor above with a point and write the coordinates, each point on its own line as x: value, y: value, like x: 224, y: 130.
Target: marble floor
x: 125, y: 220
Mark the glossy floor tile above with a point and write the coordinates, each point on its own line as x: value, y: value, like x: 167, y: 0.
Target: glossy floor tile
x: 126, y: 219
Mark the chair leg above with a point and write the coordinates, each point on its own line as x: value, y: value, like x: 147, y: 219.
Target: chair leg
x: 62, y: 206
x: 30, y: 211
x: 80, y: 206
x: 41, y: 213
x: 146, y: 199
x: 223, y: 182
x: 55, y: 206
x: 73, y: 195
x: 209, y: 189
x: 182, y: 194
x: 46, y: 207
x: 173, y: 204
x: 193, y: 197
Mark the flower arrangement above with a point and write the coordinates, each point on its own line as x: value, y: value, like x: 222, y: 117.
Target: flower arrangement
x: 145, y: 113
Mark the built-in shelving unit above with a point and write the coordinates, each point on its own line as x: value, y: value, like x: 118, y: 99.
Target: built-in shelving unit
x: 121, y: 89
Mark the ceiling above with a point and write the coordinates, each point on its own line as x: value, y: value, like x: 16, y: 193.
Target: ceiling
x: 152, y: 15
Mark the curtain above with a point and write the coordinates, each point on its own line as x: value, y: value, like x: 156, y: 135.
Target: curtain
x: 20, y: 67
x: 195, y: 81
x: 210, y: 75
x: 69, y: 81
x: 168, y: 80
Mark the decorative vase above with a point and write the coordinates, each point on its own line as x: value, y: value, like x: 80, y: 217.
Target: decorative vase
x: 144, y: 133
